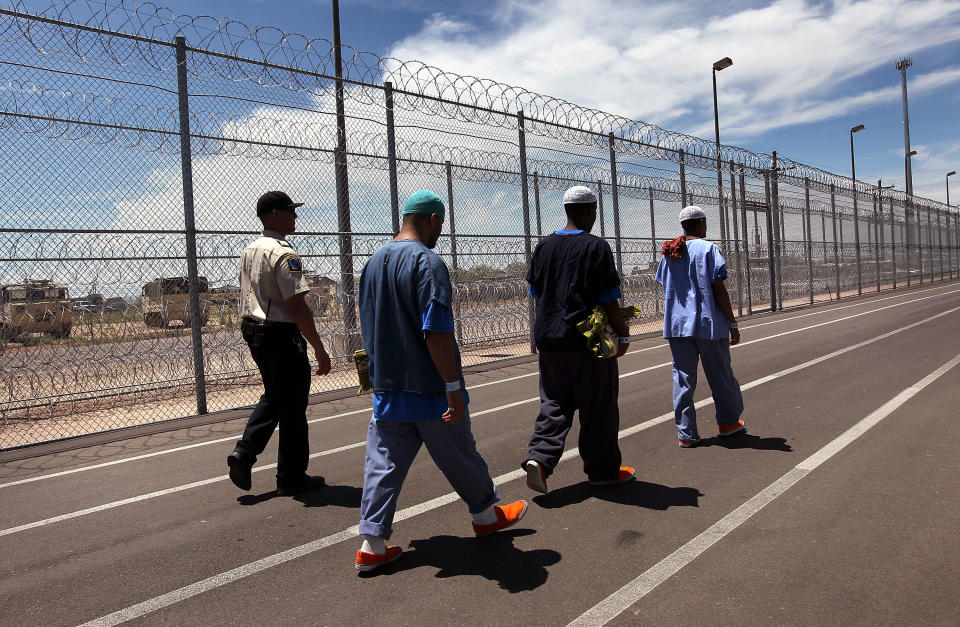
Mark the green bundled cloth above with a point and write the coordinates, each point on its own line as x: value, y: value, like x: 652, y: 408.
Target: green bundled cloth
x: 363, y: 371
x: 601, y: 338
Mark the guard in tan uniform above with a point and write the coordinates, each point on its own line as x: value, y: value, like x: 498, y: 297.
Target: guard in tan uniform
x: 277, y: 323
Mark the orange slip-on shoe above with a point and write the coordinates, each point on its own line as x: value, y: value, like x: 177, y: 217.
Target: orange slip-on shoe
x: 507, y: 516
x: 368, y: 561
x: 726, y: 430
x: 626, y: 474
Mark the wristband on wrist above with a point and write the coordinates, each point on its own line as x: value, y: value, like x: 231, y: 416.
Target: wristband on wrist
x: 623, y: 340
x: 452, y: 386
x: 733, y: 325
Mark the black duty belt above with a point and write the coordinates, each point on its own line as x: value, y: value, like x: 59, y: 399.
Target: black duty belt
x: 271, y: 323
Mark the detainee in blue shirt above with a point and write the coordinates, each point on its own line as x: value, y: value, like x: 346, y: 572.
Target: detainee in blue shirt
x: 418, y: 388
x: 699, y: 323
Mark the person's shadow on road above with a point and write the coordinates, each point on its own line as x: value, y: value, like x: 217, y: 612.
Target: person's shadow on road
x: 326, y: 496
x: 493, y: 557
x: 747, y: 440
x: 636, y: 493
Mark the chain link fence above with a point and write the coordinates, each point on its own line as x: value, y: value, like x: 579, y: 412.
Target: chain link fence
x: 136, y: 143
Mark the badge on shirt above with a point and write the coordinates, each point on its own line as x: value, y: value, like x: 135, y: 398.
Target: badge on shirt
x: 293, y: 262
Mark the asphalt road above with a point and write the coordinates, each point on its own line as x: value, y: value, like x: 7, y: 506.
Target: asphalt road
x: 840, y: 506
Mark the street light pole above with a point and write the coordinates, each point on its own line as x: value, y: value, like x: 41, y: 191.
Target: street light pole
x: 947, y: 179
x: 717, y: 66
x: 856, y: 217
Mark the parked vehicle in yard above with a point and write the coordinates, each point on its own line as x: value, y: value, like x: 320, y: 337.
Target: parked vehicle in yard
x: 34, y: 306
x: 168, y: 298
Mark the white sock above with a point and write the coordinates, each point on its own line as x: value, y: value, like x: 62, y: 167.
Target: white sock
x: 486, y: 517
x: 373, y: 544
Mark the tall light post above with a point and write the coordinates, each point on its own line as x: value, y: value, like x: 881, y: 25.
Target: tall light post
x: 856, y: 217
x: 722, y: 64
x: 902, y: 66
x: 947, y: 179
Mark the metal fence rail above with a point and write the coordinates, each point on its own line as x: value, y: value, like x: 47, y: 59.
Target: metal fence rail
x: 136, y: 143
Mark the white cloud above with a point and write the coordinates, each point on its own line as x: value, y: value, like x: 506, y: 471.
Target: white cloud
x: 651, y: 60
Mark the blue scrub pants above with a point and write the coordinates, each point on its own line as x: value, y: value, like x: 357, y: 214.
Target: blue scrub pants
x: 391, y: 449
x: 715, y: 354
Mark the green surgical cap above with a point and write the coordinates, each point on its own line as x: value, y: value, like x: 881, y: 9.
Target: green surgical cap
x: 425, y: 202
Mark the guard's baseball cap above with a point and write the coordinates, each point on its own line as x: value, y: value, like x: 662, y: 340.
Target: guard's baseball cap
x: 275, y: 201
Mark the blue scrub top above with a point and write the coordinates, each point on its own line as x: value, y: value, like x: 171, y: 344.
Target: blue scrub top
x: 690, y: 309
x: 409, y: 407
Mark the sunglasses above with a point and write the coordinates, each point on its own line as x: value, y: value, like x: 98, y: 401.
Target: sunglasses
x: 288, y: 210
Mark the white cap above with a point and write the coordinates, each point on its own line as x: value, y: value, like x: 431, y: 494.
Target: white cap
x: 579, y: 195
x: 692, y: 212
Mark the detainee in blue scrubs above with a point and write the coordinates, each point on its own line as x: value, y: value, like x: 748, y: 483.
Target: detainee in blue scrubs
x: 418, y: 387
x: 699, y: 323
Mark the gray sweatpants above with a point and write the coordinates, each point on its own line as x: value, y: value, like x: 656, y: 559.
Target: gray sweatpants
x: 391, y: 449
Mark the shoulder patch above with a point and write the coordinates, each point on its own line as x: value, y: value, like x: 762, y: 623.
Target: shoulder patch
x: 292, y: 262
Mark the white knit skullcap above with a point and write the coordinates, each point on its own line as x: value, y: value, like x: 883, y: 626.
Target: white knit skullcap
x: 579, y: 195
x: 692, y: 212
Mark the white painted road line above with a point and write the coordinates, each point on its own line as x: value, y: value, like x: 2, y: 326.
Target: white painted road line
x: 472, y: 387
x: 216, y: 581
x: 623, y: 433
x: 616, y: 603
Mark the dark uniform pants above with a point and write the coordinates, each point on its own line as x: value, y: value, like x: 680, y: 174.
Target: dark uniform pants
x: 571, y: 381
x: 280, y: 353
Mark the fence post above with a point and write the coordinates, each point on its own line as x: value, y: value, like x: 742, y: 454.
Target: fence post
x: 746, y: 239
x: 351, y: 341
x: 615, y: 192
x: 392, y: 159
x: 939, y: 244
x: 190, y: 230
x: 823, y: 230
x: 877, y: 231
x: 907, y: 236
x: 836, y: 249
x: 527, y: 248
x: 809, y: 238
x: 736, y: 237
x: 453, y: 254
x: 856, y: 237
x: 653, y: 226
x: 946, y: 222
x: 683, y: 181
x: 603, y: 227
x: 536, y: 202
x: 780, y: 229
x: 919, y: 242
x: 771, y: 263
x: 893, y: 244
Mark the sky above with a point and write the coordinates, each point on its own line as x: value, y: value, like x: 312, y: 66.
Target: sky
x: 804, y: 72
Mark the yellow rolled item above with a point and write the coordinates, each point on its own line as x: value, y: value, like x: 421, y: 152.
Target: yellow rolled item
x: 602, y: 340
x: 362, y: 362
